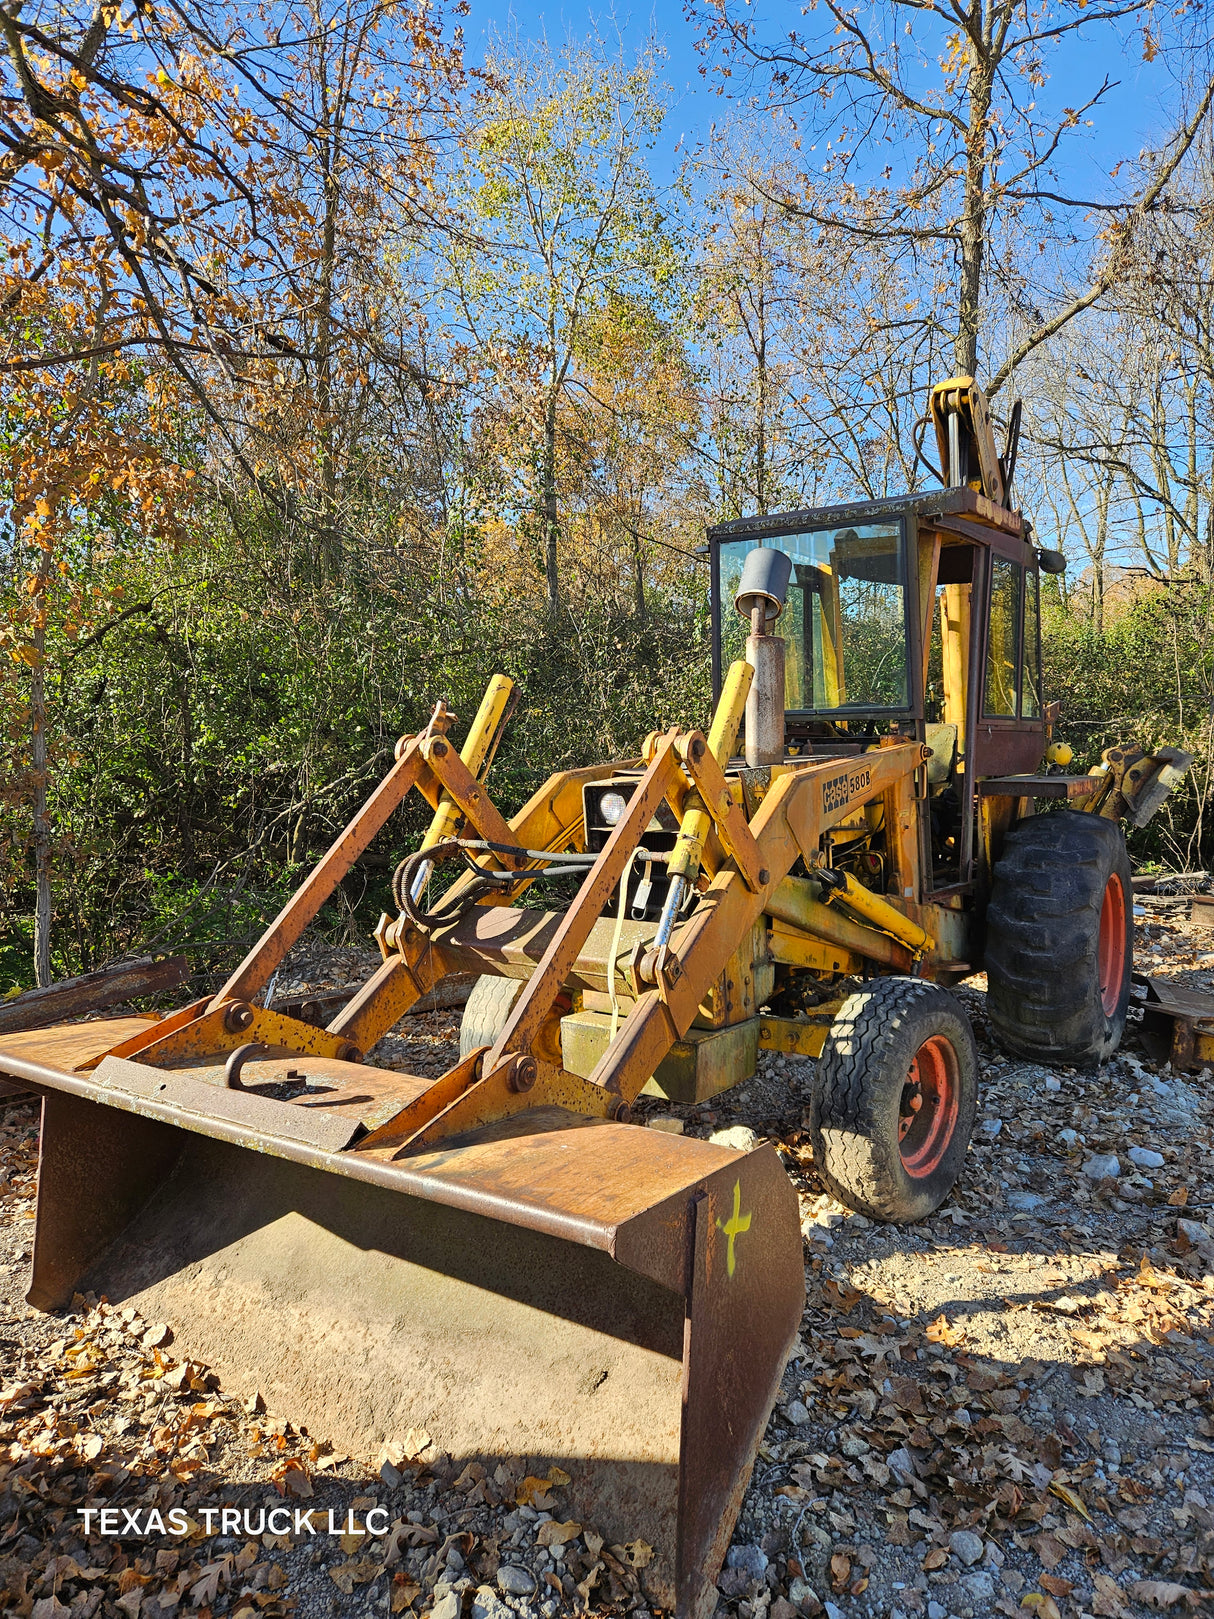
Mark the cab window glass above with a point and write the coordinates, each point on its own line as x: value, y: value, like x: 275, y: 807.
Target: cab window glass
x: 844, y: 620
x: 1030, y: 697
x: 1001, y: 645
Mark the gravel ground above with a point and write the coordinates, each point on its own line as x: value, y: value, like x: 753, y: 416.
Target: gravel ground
x: 1005, y: 1409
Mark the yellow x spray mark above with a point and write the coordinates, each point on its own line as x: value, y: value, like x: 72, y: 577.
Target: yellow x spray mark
x: 734, y: 1227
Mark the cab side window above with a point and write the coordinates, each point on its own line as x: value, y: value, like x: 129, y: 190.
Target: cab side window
x: 1030, y: 690
x: 1002, y: 644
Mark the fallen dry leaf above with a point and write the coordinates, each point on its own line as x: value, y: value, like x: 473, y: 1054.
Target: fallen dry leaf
x: 941, y: 1331
x: 636, y: 1553
x: 1108, y: 1599
x: 356, y: 1572
x: 1040, y: 1602
x: 405, y: 1592
x: 1164, y: 1593
x: 1055, y: 1585
x: 588, y: 1584
x: 533, y: 1492
x: 840, y: 1298
x: 292, y: 1479
x: 1050, y: 1551
x: 557, y: 1534
x: 1068, y: 1496
x: 537, y: 1492
x: 840, y: 1571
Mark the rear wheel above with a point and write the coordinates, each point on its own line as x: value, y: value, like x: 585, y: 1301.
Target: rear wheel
x: 1059, y: 939
x: 894, y: 1099
x: 486, y: 1010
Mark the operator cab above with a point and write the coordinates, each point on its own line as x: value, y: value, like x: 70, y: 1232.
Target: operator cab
x: 916, y: 617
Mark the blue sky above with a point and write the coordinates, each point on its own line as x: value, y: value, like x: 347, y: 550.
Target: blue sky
x: 1134, y: 114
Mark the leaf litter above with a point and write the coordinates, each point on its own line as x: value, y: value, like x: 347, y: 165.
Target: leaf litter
x: 1004, y: 1410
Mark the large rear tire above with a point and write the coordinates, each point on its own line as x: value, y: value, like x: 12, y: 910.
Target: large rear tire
x: 486, y: 1010
x: 894, y: 1099
x: 1060, y: 939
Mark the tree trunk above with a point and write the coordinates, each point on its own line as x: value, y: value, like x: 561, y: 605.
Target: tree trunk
x: 42, y: 820
x: 973, y: 220
x: 1103, y: 498
x: 324, y: 328
x: 548, y: 508
x: 761, y: 435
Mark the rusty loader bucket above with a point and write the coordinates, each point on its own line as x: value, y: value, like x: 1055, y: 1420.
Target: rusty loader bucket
x: 497, y: 1256
x: 571, y: 1290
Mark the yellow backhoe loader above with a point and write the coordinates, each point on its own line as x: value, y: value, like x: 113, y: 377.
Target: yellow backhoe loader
x: 499, y: 1255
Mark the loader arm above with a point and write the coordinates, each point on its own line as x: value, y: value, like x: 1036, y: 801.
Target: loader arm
x: 801, y: 805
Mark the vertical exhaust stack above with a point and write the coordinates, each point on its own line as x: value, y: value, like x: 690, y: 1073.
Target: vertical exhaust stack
x: 760, y: 599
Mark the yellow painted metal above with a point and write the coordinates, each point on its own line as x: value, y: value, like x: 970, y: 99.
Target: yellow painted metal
x: 701, y: 1064
x: 831, y: 626
x: 535, y: 1004
x: 481, y: 733
x: 881, y: 914
x: 470, y: 796
x: 714, y: 800
x: 929, y: 568
x: 209, y: 1035
x: 800, y: 1037
x: 802, y: 802
x: 963, y: 395
x: 405, y: 1123
x: 955, y: 640
x: 150, y: 1031
x: 722, y: 738
x: 797, y: 902
x: 795, y: 949
x: 492, y: 1099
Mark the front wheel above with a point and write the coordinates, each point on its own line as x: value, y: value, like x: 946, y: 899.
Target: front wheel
x: 489, y: 1005
x: 894, y: 1099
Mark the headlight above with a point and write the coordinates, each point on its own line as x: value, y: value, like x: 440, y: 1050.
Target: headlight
x: 612, y: 806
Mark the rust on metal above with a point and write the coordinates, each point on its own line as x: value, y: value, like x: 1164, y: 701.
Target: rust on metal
x: 189, y: 1097
x: 470, y: 796
x: 801, y: 1036
x: 727, y: 814
x: 391, y: 991
x: 77, y: 1045
x: 91, y: 992
x: 428, y: 1105
x: 234, y: 1024
x: 609, y: 1294
x: 1177, y: 1024
x: 1065, y: 787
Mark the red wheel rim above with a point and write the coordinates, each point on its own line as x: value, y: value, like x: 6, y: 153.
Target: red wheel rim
x: 1110, y: 948
x: 927, y: 1113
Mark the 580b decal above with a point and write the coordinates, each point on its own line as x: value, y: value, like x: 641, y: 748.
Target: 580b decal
x: 841, y: 789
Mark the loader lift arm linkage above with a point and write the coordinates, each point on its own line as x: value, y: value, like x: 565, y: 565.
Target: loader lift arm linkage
x: 497, y: 1255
